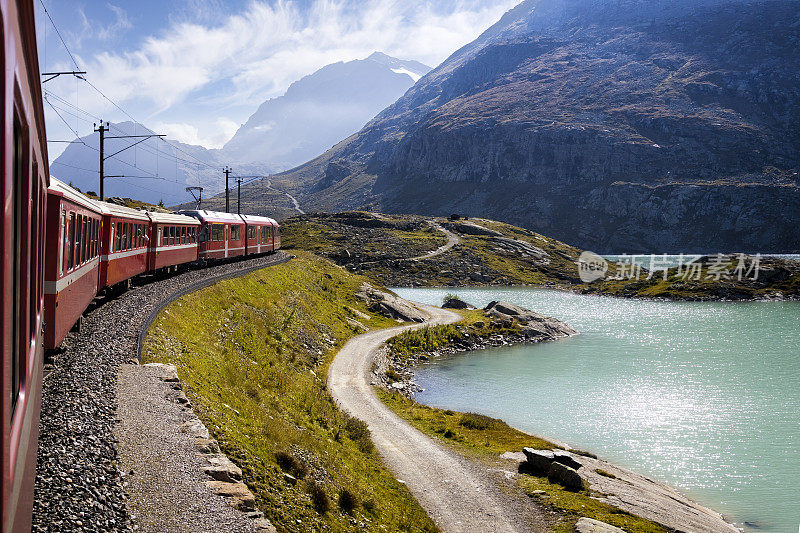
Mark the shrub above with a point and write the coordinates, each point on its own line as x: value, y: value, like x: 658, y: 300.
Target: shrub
x: 290, y: 464
x: 476, y: 421
x: 358, y: 431
x: 347, y: 501
x: 451, y: 297
x: 319, y: 498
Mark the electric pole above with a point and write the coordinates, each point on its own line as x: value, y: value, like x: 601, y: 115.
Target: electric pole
x: 238, y: 196
x: 227, y: 171
x: 102, y: 130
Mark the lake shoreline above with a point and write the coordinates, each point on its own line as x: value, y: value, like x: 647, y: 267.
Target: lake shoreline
x: 623, y: 488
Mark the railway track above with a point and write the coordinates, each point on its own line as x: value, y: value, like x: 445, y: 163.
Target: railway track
x: 78, y: 484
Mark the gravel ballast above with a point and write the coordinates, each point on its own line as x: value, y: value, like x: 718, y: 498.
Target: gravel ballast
x: 79, y: 486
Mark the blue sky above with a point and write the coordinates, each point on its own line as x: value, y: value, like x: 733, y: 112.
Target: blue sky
x: 196, y: 69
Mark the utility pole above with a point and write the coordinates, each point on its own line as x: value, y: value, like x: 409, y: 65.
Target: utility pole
x: 227, y: 171
x: 102, y: 130
x: 238, y: 196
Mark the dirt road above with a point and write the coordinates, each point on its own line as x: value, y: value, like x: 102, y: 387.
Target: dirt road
x: 457, y: 494
x: 452, y: 240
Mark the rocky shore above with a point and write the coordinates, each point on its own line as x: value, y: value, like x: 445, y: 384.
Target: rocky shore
x: 576, y: 471
x: 503, y: 324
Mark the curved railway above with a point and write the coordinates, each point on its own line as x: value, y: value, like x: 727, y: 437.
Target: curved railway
x: 78, y: 484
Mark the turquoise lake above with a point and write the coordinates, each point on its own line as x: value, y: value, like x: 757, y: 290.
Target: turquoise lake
x: 702, y: 395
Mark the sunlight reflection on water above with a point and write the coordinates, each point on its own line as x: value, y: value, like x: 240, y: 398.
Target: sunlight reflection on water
x: 705, y: 396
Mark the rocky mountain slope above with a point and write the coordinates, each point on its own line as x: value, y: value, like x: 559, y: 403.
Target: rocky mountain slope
x: 321, y: 109
x: 614, y: 125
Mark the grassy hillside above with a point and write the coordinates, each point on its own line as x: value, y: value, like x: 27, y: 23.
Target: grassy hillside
x: 380, y: 246
x: 252, y: 354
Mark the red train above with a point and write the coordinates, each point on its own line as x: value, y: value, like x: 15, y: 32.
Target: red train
x: 93, y: 246
x: 23, y: 198
x: 60, y: 249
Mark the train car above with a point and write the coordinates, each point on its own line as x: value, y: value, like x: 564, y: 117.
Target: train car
x: 222, y: 235
x: 23, y: 198
x: 172, y: 240
x: 72, y: 259
x: 124, y: 244
x: 261, y: 233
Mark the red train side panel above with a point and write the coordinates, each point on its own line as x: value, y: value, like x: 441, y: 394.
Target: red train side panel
x: 222, y: 235
x: 23, y: 197
x: 72, y: 263
x: 172, y: 240
x: 260, y: 234
x: 123, y: 252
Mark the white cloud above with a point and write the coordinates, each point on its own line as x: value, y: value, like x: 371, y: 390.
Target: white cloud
x: 206, y: 69
x: 189, y: 134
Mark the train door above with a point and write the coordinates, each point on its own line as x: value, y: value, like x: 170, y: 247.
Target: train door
x: 227, y: 237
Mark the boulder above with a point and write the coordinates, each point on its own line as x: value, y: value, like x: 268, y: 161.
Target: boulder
x: 539, y: 461
x: 590, y: 525
x: 534, y: 325
x: 456, y: 303
x: 389, y: 305
x: 565, y: 458
x: 565, y: 476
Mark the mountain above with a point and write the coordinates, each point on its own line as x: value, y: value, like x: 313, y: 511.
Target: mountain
x: 321, y: 109
x: 316, y: 112
x: 157, y: 170
x: 614, y: 125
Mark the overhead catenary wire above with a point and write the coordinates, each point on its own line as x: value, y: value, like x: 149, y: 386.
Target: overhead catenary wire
x: 158, y: 153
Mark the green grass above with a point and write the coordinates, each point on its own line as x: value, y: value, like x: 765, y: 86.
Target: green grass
x: 253, y: 354
x: 329, y: 234
x: 485, y: 438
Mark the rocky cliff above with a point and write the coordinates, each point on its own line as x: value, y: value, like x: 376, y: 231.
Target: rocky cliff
x: 618, y: 126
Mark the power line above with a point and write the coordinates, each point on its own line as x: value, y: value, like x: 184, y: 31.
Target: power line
x: 59, y: 36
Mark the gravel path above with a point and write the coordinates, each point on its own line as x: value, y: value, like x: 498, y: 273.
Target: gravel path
x: 452, y: 240
x: 167, y: 491
x: 291, y: 198
x: 78, y: 484
x: 459, y: 495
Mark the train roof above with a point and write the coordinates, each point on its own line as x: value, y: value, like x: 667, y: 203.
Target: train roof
x: 172, y: 218
x: 212, y: 216
x: 60, y: 188
x: 115, y: 210
x: 259, y: 220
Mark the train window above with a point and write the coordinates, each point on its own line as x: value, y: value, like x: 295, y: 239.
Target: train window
x: 251, y: 232
x: 19, y: 185
x: 217, y: 232
x: 234, y: 233
x: 86, y: 237
x: 61, y: 234
x: 70, y: 244
x: 79, y: 240
x: 183, y: 234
